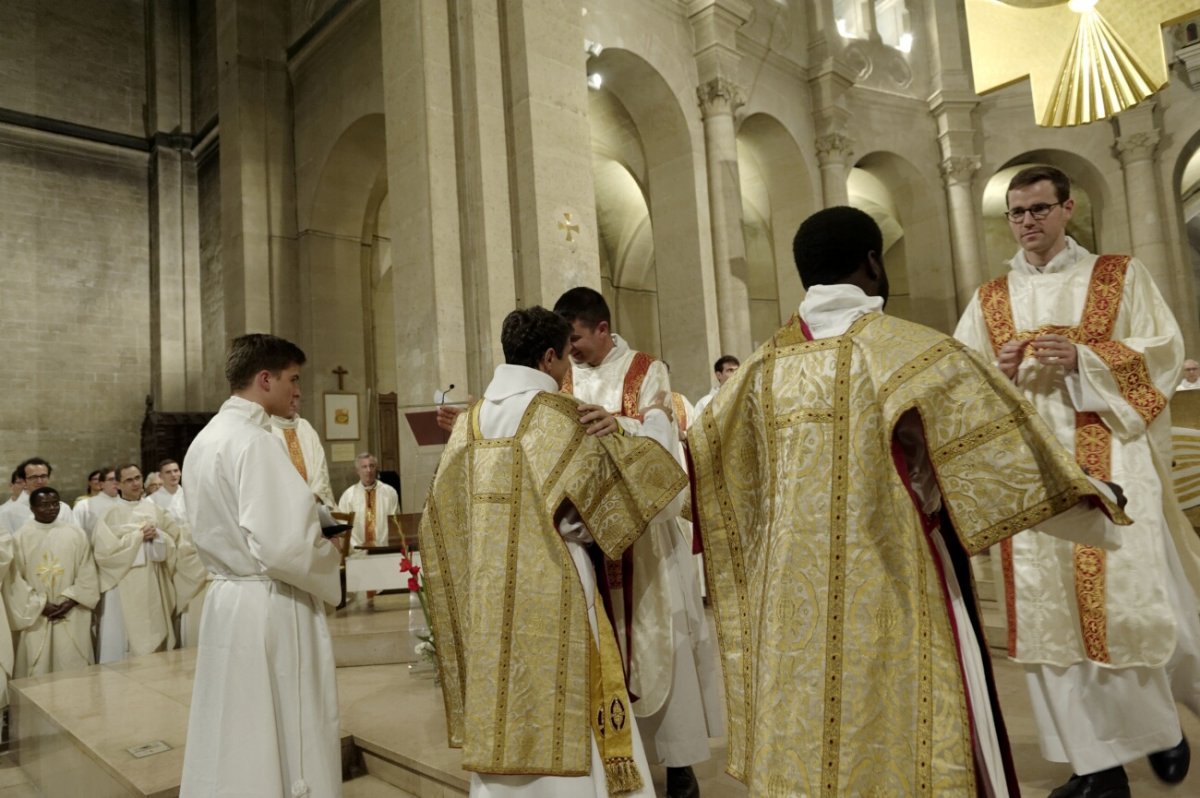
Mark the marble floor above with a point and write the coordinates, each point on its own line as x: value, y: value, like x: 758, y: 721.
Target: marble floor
x: 73, y: 724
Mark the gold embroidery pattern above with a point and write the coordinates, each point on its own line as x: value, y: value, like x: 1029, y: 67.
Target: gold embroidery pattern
x: 980, y: 436
x: 1133, y: 378
x: 632, y: 389
x: 806, y: 415
x: 1010, y: 594
x: 915, y: 367
x: 680, y: 409
x: 510, y: 601
x: 839, y: 492
x: 295, y: 453
x: 369, y: 518
x: 1093, y: 451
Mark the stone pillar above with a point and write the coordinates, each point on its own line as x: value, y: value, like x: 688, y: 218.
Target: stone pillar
x: 1136, y: 151
x: 555, y: 201
x: 175, y: 315
x: 714, y: 26
x: 957, y: 173
x: 834, y: 151
x: 422, y: 156
x: 258, y: 205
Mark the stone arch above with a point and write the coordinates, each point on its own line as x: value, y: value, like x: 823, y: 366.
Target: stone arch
x: 1185, y: 188
x: 341, y: 262
x: 668, y: 164
x: 901, y: 199
x: 1088, y: 187
x: 775, y: 199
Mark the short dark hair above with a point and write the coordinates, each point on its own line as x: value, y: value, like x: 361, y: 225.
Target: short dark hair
x: 24, y: 467
x: 105, y: 470
x: 95, y: 475
x: 37, y: 494
x: 1036, y: 174
x: 255, y: 352
x: 723, y: 361
x: 121, y: 468
x: 18, y: 474
x: 167, y: 461
x: 527, y: 333
x: 584, y: 304
x: 833, y: 243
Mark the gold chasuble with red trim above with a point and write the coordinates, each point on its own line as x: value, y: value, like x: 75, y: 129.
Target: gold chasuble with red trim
x: 841, y: 663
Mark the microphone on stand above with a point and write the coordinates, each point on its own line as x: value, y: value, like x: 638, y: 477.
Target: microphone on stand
x: 448, y: 390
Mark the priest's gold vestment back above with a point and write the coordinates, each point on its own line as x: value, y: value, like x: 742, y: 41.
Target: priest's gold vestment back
x: 509, y: 614
x: 839, y: 654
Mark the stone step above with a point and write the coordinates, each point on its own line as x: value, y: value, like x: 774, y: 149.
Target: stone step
x: 373, y: 787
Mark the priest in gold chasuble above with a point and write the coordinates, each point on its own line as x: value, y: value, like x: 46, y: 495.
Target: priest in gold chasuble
x: 842, y: 477
x: 1110, y: 641
x: 533, y: 682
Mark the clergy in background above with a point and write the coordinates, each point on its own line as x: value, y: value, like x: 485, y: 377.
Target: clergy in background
x: 532, y: 677
x: 654, y: 590
x: 172, y: 487
x: 135, y: 547
x: 725, y: 367
x: 16, y: 488
x: 371, y: 501
x: 264, y: 714
x: 1110, y: 640
x: 56, y: 562
x: 1191, y: 376
x: 35, y: 473
x: 306, y: 453
x: 21, y: 608
x: 92, y: 509
x: 842, y: 478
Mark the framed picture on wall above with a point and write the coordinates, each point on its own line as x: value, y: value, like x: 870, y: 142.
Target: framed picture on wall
x: 341, y: 417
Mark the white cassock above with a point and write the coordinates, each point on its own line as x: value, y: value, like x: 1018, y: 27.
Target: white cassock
x: 354, y: 500
x: 16, y: 513
x: 164, y: 499
x: 505, y: 402
x: 1099, y: 715
x: 304, y: 449
x: 22, y: 608
x: 703, y: 401
x: 136, y: 580
x: 56, y: 562
x: 674, y: 669
x: 264, y: 716
x: 91, y: 510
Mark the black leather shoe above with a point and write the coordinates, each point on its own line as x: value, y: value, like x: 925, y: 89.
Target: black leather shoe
x: 1172, y: 764
x: 1111, y: 783
x: 681, y: 783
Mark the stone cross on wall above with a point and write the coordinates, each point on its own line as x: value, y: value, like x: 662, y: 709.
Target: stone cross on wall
x: 341, y: 374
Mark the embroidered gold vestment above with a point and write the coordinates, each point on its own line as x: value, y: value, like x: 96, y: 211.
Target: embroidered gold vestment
x: 509, y: 614
x: 841, y: 670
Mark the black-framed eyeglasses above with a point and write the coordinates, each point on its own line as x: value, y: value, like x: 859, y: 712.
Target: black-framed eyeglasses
x: 38, y: 478
x: 1038, y: 212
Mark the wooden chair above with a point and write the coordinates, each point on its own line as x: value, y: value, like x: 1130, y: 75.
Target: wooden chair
x: 342, y: 541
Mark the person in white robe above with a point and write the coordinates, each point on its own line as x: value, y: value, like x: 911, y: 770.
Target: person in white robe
x: 92, y: 509
x: 372, y: 503
x: 1191, y: 376
x: 16, y: 486
x: 670, y: 650
x: 135, y: 550
x: 1110, y: 643
x: 264, y: 714
x: 506, y: 399
x: 725, y: 367
x: 172, y: 487
x: 56, y: 561
x: 304, y: 449
x: 35, y: 473
x: 22, y: 608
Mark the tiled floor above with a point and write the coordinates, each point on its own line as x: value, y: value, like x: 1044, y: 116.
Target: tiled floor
x: 13, y: 781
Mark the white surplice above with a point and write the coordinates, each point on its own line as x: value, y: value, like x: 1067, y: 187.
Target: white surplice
x: 22, y: 608
x: 674, y: 669
x: 91, y: 510
x: 1094, y: 715
x: 316, y: 467
x: 264, y: 714
x: 354, y: 500
x: 504, y: 403
x: 56, y: 562
x: 164, y: 499
x: 136, y: 579
x: 16, y: 514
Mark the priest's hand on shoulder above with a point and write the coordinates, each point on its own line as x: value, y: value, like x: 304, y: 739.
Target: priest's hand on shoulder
x: 1009, y: 358
x: 447, y: 415
x: 661, y: 401
x: 597, y: 421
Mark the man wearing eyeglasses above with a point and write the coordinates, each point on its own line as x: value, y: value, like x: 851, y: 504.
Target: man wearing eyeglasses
x: 35, y: 472
x: 1109, y: 639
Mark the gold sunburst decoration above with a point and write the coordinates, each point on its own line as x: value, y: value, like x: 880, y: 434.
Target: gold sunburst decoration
x: 1085, y: 59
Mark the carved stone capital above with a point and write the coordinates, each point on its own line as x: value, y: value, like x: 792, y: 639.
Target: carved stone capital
x: 719, y: 96
x: 834, y: 148
x: 1137, y: 146
x: 959, y: 168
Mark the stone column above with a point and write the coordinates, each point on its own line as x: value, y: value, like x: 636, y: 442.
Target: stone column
x: 175, y: 323
x: 714, y: 28
x: 1136, y: 152
x: 718, y: 99
x: 258, y: 204
x: 834, y: 151
x: 957, y: 173
x: 551, y: 149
